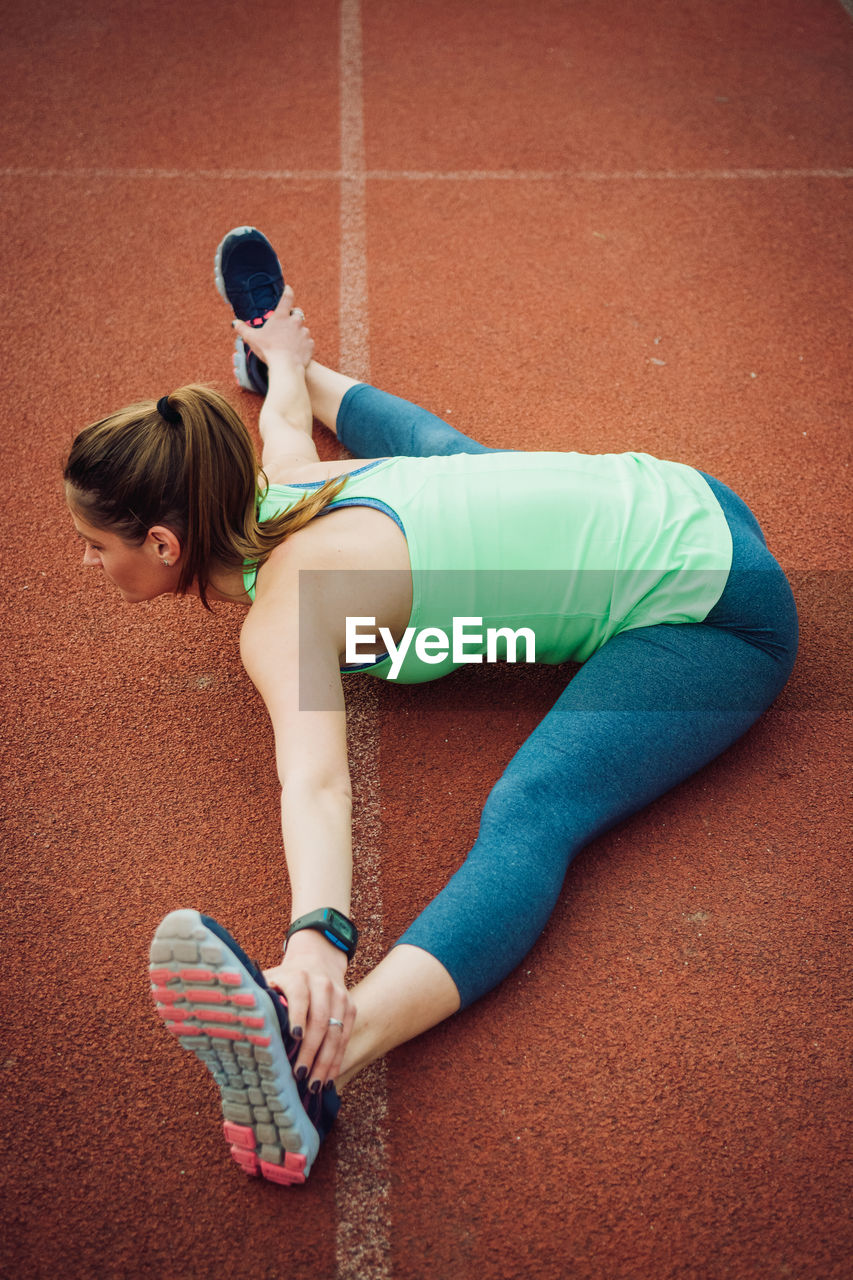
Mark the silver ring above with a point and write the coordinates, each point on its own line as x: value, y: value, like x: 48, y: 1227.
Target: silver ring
x: 336, y: 1022
x: 297, y: 311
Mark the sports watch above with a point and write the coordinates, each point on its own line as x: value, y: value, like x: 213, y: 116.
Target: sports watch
x: 334, y: 926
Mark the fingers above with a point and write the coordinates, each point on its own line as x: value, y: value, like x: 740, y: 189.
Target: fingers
x: 321, y: 1014
x: 294, y: 317
x: 331, y: 1015
x: 329, y: 1057
x: 285, y: 308
x: 315, y: 1025
x: 285, y: 302
x: 295, y: 989
x: 284, y: 330
x: 248, y: 334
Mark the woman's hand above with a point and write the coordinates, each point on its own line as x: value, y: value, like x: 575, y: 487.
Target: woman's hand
x: 283, y: 335
x: 311, y: 977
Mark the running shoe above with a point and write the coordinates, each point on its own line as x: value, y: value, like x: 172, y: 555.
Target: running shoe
x: 249, y: 278
x: 218, y: 1005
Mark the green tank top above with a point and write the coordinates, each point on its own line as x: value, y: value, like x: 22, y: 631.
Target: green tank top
x: 573, y: 547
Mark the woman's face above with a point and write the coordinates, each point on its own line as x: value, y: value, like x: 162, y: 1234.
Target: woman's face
x: 140, y: 572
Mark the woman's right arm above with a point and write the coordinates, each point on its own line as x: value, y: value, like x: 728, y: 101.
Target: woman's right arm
x: 307, y: 711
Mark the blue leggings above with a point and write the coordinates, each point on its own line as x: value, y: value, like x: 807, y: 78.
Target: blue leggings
x: 646, y: 711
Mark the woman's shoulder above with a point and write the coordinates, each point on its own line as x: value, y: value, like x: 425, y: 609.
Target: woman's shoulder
x: 319, y: 572
x: 352, y: 537
x: 297, y: 475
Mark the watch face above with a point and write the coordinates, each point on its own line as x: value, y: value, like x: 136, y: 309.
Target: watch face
x: 341, y: 924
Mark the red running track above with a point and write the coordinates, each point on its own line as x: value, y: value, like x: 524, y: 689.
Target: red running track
x: 600, y: 226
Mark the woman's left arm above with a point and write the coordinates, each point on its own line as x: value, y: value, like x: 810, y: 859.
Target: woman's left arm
x: 286, y: 421
x: 306, y: 706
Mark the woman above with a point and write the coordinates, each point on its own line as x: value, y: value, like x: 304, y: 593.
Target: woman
x: 653, y: 576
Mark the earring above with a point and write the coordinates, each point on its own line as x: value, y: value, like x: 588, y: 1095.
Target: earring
x: 167, y: 564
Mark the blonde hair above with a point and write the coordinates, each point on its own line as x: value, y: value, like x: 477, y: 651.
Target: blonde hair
x: 195, y: 472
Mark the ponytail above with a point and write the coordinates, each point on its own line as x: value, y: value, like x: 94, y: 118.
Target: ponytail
x: 186, y: 462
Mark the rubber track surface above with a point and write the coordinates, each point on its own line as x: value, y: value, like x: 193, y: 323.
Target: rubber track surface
x: 599, y: 226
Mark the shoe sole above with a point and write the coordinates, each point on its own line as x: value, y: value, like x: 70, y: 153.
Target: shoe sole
x: 240, y: 357
x: 217, y: 261
x: 213, y: 1006
x: 240, y: 365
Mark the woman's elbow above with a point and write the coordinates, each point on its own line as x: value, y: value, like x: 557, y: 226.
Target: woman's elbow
x: 309, y: 784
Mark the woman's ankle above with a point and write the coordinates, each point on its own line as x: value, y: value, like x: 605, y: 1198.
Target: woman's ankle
x: 406, y: 994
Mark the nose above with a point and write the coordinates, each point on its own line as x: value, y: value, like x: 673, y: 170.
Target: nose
x: 90, y: 556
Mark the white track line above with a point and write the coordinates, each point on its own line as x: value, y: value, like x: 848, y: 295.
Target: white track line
x: 593, y: 175
x: 237, y: 175
x: 355, y: 346
x: 362, y: 1188
x: 351, y: 176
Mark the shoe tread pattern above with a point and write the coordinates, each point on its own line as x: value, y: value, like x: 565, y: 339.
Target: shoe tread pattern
x: 216, y: 1010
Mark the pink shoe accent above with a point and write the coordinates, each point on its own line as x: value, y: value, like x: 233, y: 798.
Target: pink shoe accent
x: 288, y: 1174
x: 161, y: 976
x: 241, y: 1140
x: 182, y: 1029
x: 250, y: 1022
x: 175, y: 1015
x: 248, y: 1161
x: 229, y: 979
x: 197, y: 975
x: 262, y: 1041
x: 224, y: 1033
x: 244, y: 998
x: 161, y: 996
x: 219, y: 1015
x: 239, y: 1135
x: 206, y: 997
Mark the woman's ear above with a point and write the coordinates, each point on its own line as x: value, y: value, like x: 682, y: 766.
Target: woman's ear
x: 165, y: 544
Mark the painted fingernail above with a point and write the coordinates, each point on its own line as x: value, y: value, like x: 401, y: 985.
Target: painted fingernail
x: 296, y: 1032
x: 314, y: 1086
x: 301, y: 1073
x: 329, y: 1085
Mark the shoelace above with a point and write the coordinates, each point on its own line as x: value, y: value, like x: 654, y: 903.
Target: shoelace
x: 261, y: 290
x: 259, y: 320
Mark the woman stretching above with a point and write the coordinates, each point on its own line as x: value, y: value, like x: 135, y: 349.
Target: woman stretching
x: 653, y: 576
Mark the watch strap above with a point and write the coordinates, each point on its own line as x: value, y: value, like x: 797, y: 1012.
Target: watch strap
x: 334, y: 925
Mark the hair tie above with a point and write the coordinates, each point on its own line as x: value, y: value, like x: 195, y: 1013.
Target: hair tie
x: 166, y: 411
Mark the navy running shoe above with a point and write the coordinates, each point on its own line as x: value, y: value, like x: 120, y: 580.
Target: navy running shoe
x: 217, y: 1003
x: 249, y: 277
